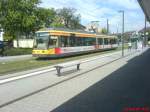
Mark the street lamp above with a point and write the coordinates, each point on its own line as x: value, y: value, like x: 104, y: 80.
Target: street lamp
x: 122, y: 39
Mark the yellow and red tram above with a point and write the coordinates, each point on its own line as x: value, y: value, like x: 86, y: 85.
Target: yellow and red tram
x: 57, y: 43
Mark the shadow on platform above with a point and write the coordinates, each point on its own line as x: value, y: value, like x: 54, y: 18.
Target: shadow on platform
x: 127, y: 87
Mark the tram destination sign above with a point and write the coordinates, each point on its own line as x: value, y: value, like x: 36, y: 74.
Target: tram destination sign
x: 42, y: 34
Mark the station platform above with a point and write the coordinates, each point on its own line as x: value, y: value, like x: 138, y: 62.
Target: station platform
x: 124, y: 90
x: 109, y: 84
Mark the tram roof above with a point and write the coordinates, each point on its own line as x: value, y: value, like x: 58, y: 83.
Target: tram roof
x: 68, y: 32
x: 65, y: 30
x: 106, y: 36
x: 99, y: 35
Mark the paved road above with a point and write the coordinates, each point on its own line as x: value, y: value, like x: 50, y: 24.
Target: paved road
x: 95, y: 87
x: 14, y: 58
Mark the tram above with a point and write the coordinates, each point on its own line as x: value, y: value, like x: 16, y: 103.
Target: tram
x: 60, y: 42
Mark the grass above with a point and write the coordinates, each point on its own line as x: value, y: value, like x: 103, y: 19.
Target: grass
x: 28, y: 64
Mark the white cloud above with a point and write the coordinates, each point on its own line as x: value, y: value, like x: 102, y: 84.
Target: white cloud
x: 100, y: 10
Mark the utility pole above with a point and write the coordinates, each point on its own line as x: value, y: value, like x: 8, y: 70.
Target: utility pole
x: 117, y: 30
x: 107, y: 26
x: 145, y: 38
x: 122, y: 39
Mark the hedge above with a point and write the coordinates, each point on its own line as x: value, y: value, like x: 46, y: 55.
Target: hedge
x: 17, y: 51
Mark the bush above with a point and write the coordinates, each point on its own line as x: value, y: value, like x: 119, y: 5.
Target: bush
x: 17, y: 51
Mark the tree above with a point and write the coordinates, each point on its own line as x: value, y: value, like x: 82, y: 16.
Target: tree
x: 24, y: 17
x: 17, y: 16
x: 45, y: 17
x: 104, y: 31
x: 67, y: 18
x: 75, y: 22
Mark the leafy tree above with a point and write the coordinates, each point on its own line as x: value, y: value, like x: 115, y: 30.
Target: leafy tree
x: 104, y: 31
x: 45, y: 17
x: 67, y: 18
x: 17, y: 16
x: 56, y: 24
x: 75, y: 22
x: 8, y: 37
x: 65, y: 15
x: 24, y: 17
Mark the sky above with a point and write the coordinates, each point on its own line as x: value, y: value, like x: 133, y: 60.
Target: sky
x: 101, y: 10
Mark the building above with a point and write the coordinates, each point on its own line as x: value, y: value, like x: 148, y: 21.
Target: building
x: 143, y: 30
x: 1, y: 35
x: 93, y: 28
x: 145, y: 5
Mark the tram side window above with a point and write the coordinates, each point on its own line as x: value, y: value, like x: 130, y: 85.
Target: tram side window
x: 100, y: 41
x: 111, y: 41
x: 93, y: 41
x: 114, y: 41
x: 79, y: 41
x: 72, y: 41
x: 87, y: 41
x: 106, y: 41
x: 83, y: 41
x: 64, y: 42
